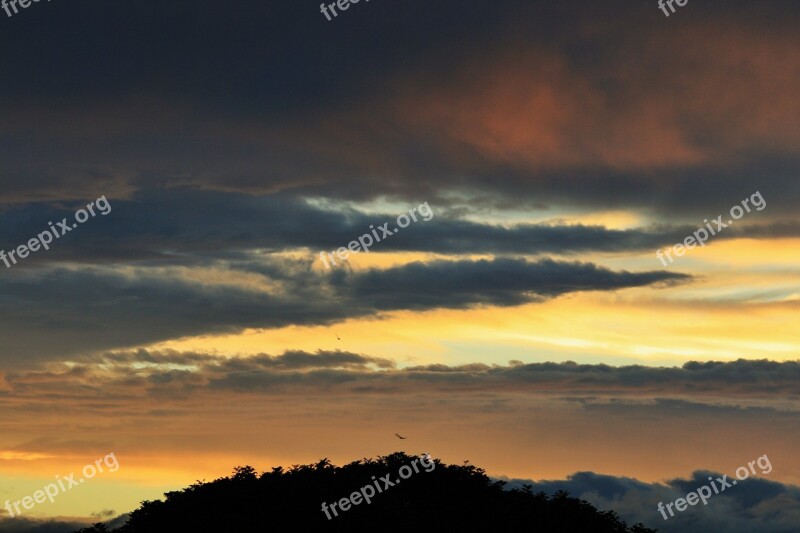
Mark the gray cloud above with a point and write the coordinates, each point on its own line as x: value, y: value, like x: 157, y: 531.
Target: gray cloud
x: 170, y: 224
x: 742, y: 387
x: 187, y: 226
x: 58, y: 525
x: 122, y: 308
x: 497, y: 282
x: 755, y: 505
x: 26, y: 525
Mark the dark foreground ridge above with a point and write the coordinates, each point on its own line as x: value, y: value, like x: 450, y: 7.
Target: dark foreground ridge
x: 446, y: 498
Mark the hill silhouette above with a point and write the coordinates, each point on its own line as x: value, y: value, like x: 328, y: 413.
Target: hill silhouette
x: 438, y: 498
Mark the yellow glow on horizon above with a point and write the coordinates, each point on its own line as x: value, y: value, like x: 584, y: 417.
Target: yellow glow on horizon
x: 10, y: 455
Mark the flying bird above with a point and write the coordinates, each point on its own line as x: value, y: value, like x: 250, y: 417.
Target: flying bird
x: 400, y: 437
x: 337, y: 337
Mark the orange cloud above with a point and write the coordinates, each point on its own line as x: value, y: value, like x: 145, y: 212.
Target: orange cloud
x: 652, y: 101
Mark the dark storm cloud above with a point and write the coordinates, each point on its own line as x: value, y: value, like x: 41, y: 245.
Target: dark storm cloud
x: 572, y: 106
x: 95, y: 308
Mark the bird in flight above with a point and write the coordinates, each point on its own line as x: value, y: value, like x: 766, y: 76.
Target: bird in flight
x: 337, y: 337
x: 400, y: 437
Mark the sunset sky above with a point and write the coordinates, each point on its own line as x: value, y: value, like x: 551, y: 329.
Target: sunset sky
x: 527, y: 326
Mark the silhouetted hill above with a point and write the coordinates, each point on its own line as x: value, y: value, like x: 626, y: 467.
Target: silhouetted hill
x: 437, y: 497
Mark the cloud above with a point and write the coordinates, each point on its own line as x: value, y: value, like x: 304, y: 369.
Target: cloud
x: 701, y: 387
x: 567, y: 110
x: 498, y: 282
x: 25, y: 525
x: 189, y: 226
x: 128, y: 306
x: 217, y: 150
x: 755, y: 505
x: 58, y: 525
x: 549, y: 419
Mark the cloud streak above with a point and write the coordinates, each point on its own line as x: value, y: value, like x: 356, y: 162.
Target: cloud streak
x: 132, y: 306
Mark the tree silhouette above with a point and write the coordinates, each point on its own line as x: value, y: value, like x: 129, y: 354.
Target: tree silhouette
x: 448, y: 498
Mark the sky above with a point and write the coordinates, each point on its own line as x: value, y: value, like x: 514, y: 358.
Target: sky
x: 532, y: 163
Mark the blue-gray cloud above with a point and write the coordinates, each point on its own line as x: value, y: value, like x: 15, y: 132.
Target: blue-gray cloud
x: 184, y: 226
x: 100, y: 308
x: 755, y: 505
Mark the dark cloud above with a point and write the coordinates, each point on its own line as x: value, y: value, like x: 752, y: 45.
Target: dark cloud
x: 123, y: 307
x: 57, y: 525
x: 755, y: 505
x: 572, y: 107
x: 671, y: 390
x: 26, y: 525
x: 187, y: 226
x: 498, y: 282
